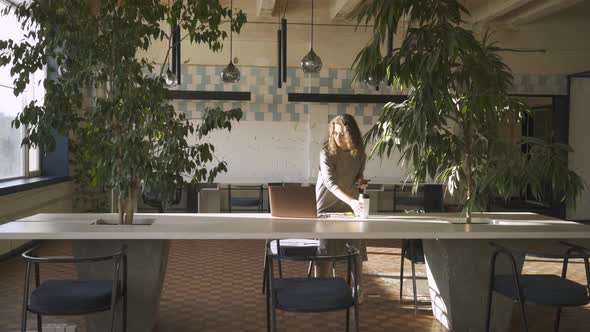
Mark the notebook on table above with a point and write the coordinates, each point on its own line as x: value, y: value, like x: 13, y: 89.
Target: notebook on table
x: 292, y: 202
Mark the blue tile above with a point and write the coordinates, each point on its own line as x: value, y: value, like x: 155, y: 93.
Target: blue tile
x: 333, y: 72
x: 258, y: 116
x: 272, y: 108
x: 276, y: 117
x: 295, y: 117
x: 367, y: 120
x: 291, y: 108
x: 292, y: 74
x: 205, y: 79
x: 325, y: 82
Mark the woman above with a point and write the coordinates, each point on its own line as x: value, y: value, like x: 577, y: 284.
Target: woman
x: 342, y: 163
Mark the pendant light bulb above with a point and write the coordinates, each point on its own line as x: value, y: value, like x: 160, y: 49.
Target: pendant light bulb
x: 170, y: 78
x: 311, y: 63
x: 230, y: 74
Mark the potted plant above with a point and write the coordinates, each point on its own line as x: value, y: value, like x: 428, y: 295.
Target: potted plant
x: 448, y: 130
x: 127, y: 133
x: 457, y: 100
x: 111, y: 100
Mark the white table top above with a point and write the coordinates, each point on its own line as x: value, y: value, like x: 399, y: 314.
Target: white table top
x: 263, y: 226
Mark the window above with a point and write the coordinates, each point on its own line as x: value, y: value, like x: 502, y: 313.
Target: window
x: 16, y: 161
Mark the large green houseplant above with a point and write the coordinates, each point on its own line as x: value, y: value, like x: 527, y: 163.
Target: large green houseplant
x: 457, y: 86
x: 110, y: 100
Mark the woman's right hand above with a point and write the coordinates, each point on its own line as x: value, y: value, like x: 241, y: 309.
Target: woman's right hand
x: 355, y: 205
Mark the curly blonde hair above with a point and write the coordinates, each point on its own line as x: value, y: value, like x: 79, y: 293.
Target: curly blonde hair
x: 357, y: 148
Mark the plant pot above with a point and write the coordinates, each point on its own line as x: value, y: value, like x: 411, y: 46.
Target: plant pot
x: 147, y: 260
x: 136, y: 221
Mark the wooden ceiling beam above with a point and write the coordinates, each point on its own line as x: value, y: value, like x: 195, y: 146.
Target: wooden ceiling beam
x: 341, y: 9
x: 265, y: 8
x: 538, y: 10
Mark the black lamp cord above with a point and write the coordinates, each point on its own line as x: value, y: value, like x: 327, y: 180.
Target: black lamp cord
x: 312, y: 24
x: 231, y: 23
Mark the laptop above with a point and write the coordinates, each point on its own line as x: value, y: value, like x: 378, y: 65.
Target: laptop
x: 292, y: 202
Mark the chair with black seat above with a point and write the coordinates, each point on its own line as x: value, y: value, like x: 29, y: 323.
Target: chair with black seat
x: 75, y: 297
x: 542, y: 289
x: 313, y: 294
x: 245, y: 203
x: 153, y: 197
x: 413, y: 251
x: 289, y: 247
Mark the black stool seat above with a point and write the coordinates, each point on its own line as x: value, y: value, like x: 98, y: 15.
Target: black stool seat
x: 55, y: 297
x: 312, y: 294
x: 415, y: 255
x: 295, y: 247
x: 245, y: 201
x: 544, y: 289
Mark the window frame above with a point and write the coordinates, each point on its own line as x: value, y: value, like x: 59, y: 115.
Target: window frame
x: 25, y: 150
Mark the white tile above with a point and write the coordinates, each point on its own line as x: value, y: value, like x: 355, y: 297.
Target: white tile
x: 268, y: 99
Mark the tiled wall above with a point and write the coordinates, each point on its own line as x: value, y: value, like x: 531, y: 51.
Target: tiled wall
x: 268, y: 103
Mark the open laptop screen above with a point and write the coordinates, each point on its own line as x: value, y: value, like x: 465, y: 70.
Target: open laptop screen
x: 293, y: 202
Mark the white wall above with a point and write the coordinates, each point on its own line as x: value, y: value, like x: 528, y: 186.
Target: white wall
x: 265, y: 151
x: 579, y: 160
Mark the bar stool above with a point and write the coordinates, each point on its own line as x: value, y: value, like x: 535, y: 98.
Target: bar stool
x: 74, y: 297
x: 543, y: 289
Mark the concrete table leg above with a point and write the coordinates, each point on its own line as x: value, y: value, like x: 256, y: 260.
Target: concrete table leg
x: 458, y: 276
x: 147, y: 261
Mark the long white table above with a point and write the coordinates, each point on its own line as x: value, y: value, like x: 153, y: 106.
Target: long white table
x: 48, y: 226
x: 457, y: 254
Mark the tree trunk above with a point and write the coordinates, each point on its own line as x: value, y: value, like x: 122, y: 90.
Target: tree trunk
x: 121, y: 209
x: 128, y: 205
x: 468, y: 170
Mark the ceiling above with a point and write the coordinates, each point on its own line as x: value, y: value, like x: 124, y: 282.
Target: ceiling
x: 506, y: 12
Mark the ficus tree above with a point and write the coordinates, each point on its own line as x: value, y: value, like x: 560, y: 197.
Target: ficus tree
x: 457, y: 100
x: 111, y: 101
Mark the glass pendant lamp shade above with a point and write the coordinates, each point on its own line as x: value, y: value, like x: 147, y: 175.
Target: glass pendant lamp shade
x: 230, y: 74
x: 311, y: 63
x: 170, y: 78
x: 372, y: 80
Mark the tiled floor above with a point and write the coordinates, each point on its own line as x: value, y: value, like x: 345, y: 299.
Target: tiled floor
x: 215, y: 286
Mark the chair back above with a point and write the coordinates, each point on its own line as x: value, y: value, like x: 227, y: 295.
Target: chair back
x: 119, y: 260
x: 349, y: 258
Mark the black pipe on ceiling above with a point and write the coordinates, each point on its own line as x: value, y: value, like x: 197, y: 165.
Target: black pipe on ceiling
x: 173, y: 49
x: 178, y: 58
x: 284, y: 47
x: 279, y: 58
x: 390, y: 53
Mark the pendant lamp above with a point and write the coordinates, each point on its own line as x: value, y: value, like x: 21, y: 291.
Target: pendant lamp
x: 230, y: 74
x: 171, y: 78
x: 311, y: 63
